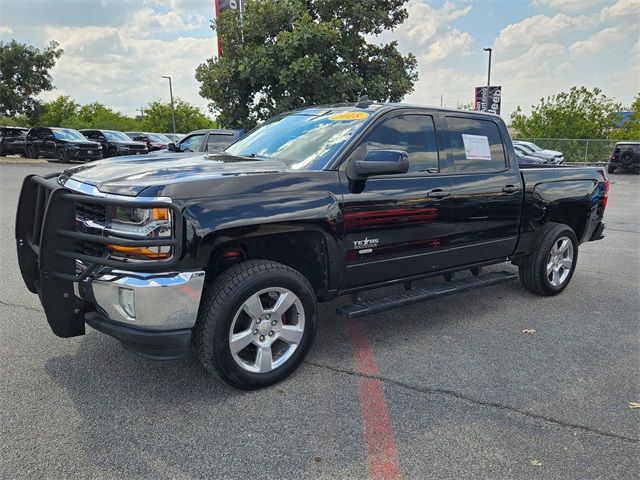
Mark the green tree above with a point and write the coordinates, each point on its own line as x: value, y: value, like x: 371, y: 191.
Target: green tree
x: 61, y: 112
x: 157, y: 117
x: 631, y: 128
x: 96, y: 115
x: 24, y: 74
x: 286, y: 54
x: 579, y: 113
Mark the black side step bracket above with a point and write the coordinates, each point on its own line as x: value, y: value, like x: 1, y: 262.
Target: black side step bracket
x: 416, y: 295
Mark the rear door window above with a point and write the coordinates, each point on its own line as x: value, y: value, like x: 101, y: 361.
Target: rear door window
x: 476, y: 145
x: 218, y: 142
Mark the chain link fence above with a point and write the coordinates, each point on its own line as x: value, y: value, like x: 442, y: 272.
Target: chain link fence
x: 578, y: 150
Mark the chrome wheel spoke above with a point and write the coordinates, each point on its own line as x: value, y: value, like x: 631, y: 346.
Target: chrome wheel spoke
x: 549, y: 268
x: 564, y: 245
x: 566, y: 263
x: 284, y: 303
x: 240, y: 340
x: 264, y: 362
x: 291, y: 334
x: 556, y: 278
x: 253, y: 307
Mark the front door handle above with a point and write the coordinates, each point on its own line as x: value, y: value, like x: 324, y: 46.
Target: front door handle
x: 438, y: 193
x: 510, y: 189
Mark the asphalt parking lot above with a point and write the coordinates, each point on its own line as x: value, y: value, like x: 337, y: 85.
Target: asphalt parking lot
x: 446, y: 389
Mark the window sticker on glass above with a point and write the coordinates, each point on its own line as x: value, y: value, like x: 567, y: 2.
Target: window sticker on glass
x: 348, y: 116
x: 476, y: 147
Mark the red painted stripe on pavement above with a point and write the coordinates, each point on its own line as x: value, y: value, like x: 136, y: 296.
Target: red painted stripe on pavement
x: 382, y: 458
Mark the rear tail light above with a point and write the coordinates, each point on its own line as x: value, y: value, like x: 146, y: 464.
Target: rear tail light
x: 605, y: 198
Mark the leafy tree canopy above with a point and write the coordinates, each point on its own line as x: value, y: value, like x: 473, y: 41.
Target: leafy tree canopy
x: 66, y: 112
x: 579, y: 113
x: 631, y: 128
x: 286, y: 54
x: 24, y: 74
x: 157, y: 117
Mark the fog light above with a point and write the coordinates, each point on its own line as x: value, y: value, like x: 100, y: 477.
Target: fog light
x: 127, y: 301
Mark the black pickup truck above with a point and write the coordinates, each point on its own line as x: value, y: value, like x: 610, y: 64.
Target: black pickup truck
x: 228, y: 254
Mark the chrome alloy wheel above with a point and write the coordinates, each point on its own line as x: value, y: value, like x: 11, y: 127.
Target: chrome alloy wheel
x: 266, y: 330
x: 560, y: 261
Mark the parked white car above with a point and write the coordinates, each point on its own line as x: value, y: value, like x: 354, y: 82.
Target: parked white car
x: 533, y: 149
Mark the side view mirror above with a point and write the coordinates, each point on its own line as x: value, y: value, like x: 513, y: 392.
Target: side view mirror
x: 172, y: 147
x: 379, y: 162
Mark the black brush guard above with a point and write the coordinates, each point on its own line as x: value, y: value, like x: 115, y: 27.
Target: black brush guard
x: 48, y: 246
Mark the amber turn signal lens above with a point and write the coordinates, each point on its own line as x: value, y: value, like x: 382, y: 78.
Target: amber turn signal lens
x: 139, y: 251
x: 160, y: 213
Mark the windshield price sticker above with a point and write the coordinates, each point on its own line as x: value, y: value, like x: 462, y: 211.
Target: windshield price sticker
x: 348, y: 116
x: 476, y: 147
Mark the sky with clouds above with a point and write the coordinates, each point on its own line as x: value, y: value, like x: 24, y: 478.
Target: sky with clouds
x: 117, y: 50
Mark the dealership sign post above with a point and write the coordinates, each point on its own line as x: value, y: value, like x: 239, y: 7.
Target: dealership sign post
x: 223, y: 5
x: 488, y: 103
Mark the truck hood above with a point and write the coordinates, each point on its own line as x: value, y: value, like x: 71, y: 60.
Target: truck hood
x: 131, y: 175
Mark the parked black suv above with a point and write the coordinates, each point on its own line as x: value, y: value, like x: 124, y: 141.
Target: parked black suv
x: 64, y: 144
x: 115, y: 143
x: 12, y: 140
x: 625, y: 155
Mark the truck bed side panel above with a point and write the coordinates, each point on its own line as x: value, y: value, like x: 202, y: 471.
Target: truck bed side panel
x: 573, y: 194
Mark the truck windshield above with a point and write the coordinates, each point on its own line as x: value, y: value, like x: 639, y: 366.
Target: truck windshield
x: 304, y: 140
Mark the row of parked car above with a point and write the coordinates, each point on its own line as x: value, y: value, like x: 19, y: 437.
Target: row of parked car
x: 67, y: 144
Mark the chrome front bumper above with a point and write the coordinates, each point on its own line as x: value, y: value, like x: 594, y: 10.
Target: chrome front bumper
x: 149, y: 301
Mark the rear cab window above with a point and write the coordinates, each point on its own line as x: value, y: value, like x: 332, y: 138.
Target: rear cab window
x: 476, y: 145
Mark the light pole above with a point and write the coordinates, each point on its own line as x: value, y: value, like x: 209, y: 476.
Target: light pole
x: 486, y: 96
x: 173, y: 113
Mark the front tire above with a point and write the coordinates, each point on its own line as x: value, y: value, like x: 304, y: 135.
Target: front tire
x: 550, y: 268
x: 256, y: 324
x: 62, y: 156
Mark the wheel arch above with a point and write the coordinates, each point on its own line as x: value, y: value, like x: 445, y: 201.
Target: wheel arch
x: 304, y: 250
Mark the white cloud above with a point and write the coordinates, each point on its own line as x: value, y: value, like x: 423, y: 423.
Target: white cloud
x: 566, y: 5
x: 534, y: 29
x: 453, y: 42
x: 147, y: 21
x: 425, y: 22
x: 622, y: 9
x: 598, y: 42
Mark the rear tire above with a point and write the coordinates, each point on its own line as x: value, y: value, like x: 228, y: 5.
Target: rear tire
x: 30, y: 152
x: 550, y: 268
x: 243, y: 303
x: 611, y: 169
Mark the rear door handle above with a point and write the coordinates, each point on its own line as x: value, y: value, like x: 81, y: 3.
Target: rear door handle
x: 438, y: 193
x: 510, y: 189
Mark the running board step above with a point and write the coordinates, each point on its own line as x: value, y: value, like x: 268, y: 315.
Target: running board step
x: 416, y: 295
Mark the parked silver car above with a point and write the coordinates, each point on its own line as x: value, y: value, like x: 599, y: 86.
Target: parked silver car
x: 530, y: 148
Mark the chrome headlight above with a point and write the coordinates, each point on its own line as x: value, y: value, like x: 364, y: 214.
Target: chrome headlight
x: 151, y: 223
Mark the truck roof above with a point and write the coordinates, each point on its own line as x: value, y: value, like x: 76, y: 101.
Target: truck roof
x: 379, y: 107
